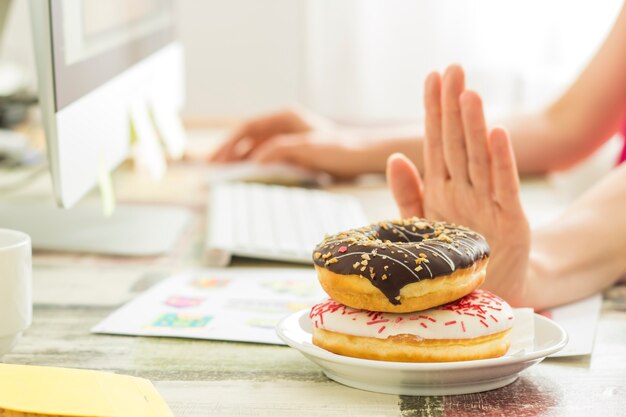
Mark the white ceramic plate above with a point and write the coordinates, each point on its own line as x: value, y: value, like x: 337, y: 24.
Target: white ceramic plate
x: 445, y: 378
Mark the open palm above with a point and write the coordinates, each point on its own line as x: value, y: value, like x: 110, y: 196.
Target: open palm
x: 470, y: 178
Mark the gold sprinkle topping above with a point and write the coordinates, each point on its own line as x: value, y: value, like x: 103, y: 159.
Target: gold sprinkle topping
x: 365, y: 256
x: 317, y: 255
x: 445, y: 238
x: 356, y: 265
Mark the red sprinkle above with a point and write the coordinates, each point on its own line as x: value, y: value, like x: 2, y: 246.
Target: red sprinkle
x: 343, y: 249
x: 484, y: 324
x: 427, y: 318
x: 424, y: 325
x: 463, y: 326
x: 494, y: 319
x: 510, y: 318
x: 398, y: 319
x: 450, y: 322
x: 381, y: 329
x: 369, y: 323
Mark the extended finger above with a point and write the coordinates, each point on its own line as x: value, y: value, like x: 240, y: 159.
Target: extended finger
x: 454, y: 151
x: 406, y: 185
x: 434, y: 163
x: 476, y: 141
x: 504, y: 170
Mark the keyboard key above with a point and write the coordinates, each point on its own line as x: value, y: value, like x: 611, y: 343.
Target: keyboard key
x: 275, y: 223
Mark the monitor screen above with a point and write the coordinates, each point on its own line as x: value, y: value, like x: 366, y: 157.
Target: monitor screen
x: 94, y: 40
x: 102, y: 66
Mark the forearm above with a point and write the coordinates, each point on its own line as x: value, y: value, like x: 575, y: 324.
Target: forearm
x: 376, y: 151
x: 540, y: 144
x: 372, y: 147
x: 582, y: 252
x: 556, y: 138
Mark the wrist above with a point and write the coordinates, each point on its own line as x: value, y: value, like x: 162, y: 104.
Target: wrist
x: 368, y: 154
x: 507, y: 274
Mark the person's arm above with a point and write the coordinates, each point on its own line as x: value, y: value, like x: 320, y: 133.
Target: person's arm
x: 582, y: 252
x: 342, y: 153
x: 583, y: 118
x: 470, y: 178
x: 305, y: 139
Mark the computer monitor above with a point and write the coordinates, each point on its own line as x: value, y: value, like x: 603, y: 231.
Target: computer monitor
x: 95, y: 59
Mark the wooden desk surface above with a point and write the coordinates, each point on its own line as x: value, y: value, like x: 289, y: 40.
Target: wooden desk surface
x: 200, y: 378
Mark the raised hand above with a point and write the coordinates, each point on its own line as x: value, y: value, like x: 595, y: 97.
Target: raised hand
x: 470, y: 178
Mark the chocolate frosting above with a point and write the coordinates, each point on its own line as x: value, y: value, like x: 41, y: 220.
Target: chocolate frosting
x: 393, y: 254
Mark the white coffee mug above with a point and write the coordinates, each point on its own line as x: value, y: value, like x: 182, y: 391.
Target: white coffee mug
x: 16, y: 307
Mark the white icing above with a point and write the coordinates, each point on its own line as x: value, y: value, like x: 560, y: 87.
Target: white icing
x: 477, y: 314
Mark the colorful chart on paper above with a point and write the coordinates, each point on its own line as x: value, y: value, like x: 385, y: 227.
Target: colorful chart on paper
x: 237, y: 304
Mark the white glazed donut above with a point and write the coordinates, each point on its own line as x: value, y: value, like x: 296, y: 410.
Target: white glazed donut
x: 476, y: 326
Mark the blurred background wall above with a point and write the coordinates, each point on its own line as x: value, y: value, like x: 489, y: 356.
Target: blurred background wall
x: 365, y: 60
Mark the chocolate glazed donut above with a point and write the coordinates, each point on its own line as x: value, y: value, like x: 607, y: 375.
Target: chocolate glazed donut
x: 401, y: 266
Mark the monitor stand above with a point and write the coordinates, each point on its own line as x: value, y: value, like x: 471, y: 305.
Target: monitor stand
x: 133, y: 230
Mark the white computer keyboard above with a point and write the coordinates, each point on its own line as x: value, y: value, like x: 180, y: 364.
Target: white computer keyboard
x: 273, y: 222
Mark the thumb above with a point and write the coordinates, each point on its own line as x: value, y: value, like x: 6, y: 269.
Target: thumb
x: 406, y: 185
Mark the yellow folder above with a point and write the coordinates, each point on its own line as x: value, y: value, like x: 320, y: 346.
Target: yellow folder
x: 78, y: 393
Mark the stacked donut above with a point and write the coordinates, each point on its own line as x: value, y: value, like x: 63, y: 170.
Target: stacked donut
x: 406, y: 291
